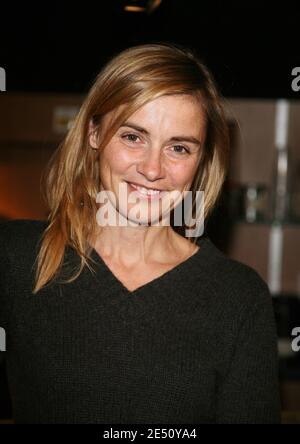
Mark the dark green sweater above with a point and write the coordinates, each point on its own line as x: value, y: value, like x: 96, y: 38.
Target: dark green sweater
x: 196, y: 345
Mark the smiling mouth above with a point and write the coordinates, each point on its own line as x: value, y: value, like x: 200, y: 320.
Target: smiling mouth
x: 145, y: 192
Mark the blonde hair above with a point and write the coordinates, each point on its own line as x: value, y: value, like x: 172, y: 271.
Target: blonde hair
x: 71, y: 181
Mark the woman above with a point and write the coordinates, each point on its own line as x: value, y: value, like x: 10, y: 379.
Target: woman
x: 128, y: 319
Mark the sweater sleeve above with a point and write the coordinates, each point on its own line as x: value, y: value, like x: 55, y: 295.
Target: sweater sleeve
x: 249, y: 393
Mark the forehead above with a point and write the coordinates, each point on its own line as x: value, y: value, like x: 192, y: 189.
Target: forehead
x: 180, y: 112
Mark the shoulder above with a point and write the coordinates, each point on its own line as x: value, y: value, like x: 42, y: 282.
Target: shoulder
x: 244, y: 285
x: 232, y: 282
x: 16, y: 229
x: 22, y: 225
x: 20, y: 235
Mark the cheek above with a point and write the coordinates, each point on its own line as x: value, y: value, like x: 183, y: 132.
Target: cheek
x: 183, y: 173
x: 115, y: 159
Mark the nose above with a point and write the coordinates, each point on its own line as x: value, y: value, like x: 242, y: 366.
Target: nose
x: 151, y: 165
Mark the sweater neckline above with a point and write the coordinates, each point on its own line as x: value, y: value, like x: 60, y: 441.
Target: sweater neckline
x: 156, y: 282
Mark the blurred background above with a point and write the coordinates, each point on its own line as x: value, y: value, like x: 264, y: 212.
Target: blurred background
x: 51, y: 53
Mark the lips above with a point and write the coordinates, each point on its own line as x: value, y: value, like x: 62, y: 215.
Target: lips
x: 144, y: 192
x: 138, y: 185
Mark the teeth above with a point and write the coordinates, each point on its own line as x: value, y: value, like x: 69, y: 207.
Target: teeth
x: 145, y: 191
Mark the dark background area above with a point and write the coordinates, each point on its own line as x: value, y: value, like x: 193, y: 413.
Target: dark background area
x: 250, y: 46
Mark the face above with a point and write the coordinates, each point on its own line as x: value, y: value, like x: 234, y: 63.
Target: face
x: 153, y: 157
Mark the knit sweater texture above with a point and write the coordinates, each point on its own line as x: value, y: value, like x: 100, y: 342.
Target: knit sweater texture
x: 195, y: 345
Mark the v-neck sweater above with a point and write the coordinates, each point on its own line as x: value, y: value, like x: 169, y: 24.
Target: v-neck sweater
x: 196, y: 345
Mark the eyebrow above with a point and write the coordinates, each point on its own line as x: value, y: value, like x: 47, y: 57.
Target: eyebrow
x: 190, y: 139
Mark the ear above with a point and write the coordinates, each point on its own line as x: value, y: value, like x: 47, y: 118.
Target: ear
x: 93, y: 135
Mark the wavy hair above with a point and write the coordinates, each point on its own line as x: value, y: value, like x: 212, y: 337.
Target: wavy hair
x: 71, y: 180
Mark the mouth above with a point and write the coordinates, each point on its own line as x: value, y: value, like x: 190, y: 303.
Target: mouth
x: 144, y: 192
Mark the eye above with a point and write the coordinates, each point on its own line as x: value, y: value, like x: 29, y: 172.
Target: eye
x: 177, y: 149
x: 130, y: 137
